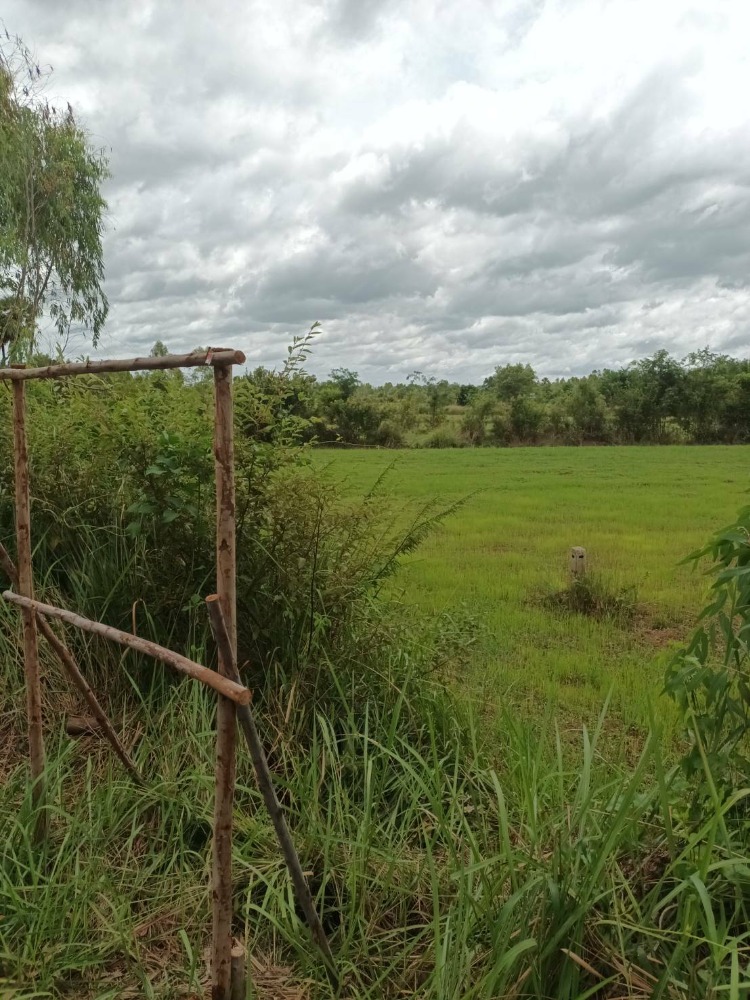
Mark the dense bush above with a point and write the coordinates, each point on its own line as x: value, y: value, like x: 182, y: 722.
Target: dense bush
x: 123, y: 517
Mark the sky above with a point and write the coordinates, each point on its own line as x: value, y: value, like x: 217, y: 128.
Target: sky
x: 446, y: 186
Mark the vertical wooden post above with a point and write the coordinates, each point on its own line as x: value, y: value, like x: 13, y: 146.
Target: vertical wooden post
x: 226, y: 725
x: 26, y: 589
x: 265, y: 783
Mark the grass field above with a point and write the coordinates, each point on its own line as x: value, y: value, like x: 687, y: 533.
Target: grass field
x: 638, y: 511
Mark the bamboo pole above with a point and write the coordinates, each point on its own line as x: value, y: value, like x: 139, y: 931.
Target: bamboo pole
x: 26, y: 587
x: 215, y: 356
x: 235, y: 692
x: 71, y: 668
x: 226, y: 569
x: 275, y: 811
x: 226, y: 728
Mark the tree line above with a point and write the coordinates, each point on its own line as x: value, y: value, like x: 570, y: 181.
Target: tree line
x: 703, y: 398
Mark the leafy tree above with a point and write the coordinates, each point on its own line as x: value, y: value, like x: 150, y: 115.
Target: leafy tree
x: 704, y: 397
x: 511, y: 381
x: 526, y: 418
x: 436, y: 395
x: 465, y: 394
x: 474, y: 423
x: 275, y: 408
x: 737, y: 409
x: 657, y: 384
x: 589, y: 411
x: 51, y: 210
x: 705, y: 407
x: 346, y: 381
x: 360, y: 416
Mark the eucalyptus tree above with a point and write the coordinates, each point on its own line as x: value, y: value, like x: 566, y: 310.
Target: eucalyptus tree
x: 51, y: 210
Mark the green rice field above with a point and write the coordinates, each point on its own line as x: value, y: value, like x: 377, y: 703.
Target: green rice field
x: 638, y: 511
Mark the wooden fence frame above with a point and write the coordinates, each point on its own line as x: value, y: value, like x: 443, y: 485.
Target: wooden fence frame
x: 227, y: 968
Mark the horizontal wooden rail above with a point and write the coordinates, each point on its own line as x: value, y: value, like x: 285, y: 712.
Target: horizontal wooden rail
x: 219, y: 356
x: 223, y: 685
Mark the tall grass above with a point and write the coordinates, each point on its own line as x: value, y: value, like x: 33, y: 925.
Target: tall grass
x: 441, y: 870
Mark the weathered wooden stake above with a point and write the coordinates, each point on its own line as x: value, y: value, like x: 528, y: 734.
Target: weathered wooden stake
x: 26, y: 587
x: 239, y: 977
x: 226, y: 728
x: 265, y: 783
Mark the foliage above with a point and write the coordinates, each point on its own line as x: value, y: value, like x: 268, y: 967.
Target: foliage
x: 51, y: 210
x: 511, y: 382
x: 705, y: 398
x: 443, y: 437
x: 443, y: 867
x: 588, y: 411
x: 123, y: 511
x: 474, y: 423
x: 710, y: 678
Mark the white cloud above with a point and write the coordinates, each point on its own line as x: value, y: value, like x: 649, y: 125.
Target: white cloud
x: 446, y: 185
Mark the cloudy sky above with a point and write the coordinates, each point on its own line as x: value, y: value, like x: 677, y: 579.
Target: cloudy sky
x: 446, y: 185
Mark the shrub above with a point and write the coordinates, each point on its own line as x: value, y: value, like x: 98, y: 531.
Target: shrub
x: 442, y: 437
x: 526, y: 418
x: 501, y: 430
x: 389, y: 434
x: 710, y: 678
x: 594, y: 597
x: 476, y: 415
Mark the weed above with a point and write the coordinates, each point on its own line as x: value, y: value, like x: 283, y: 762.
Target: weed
x: 592, y: 596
